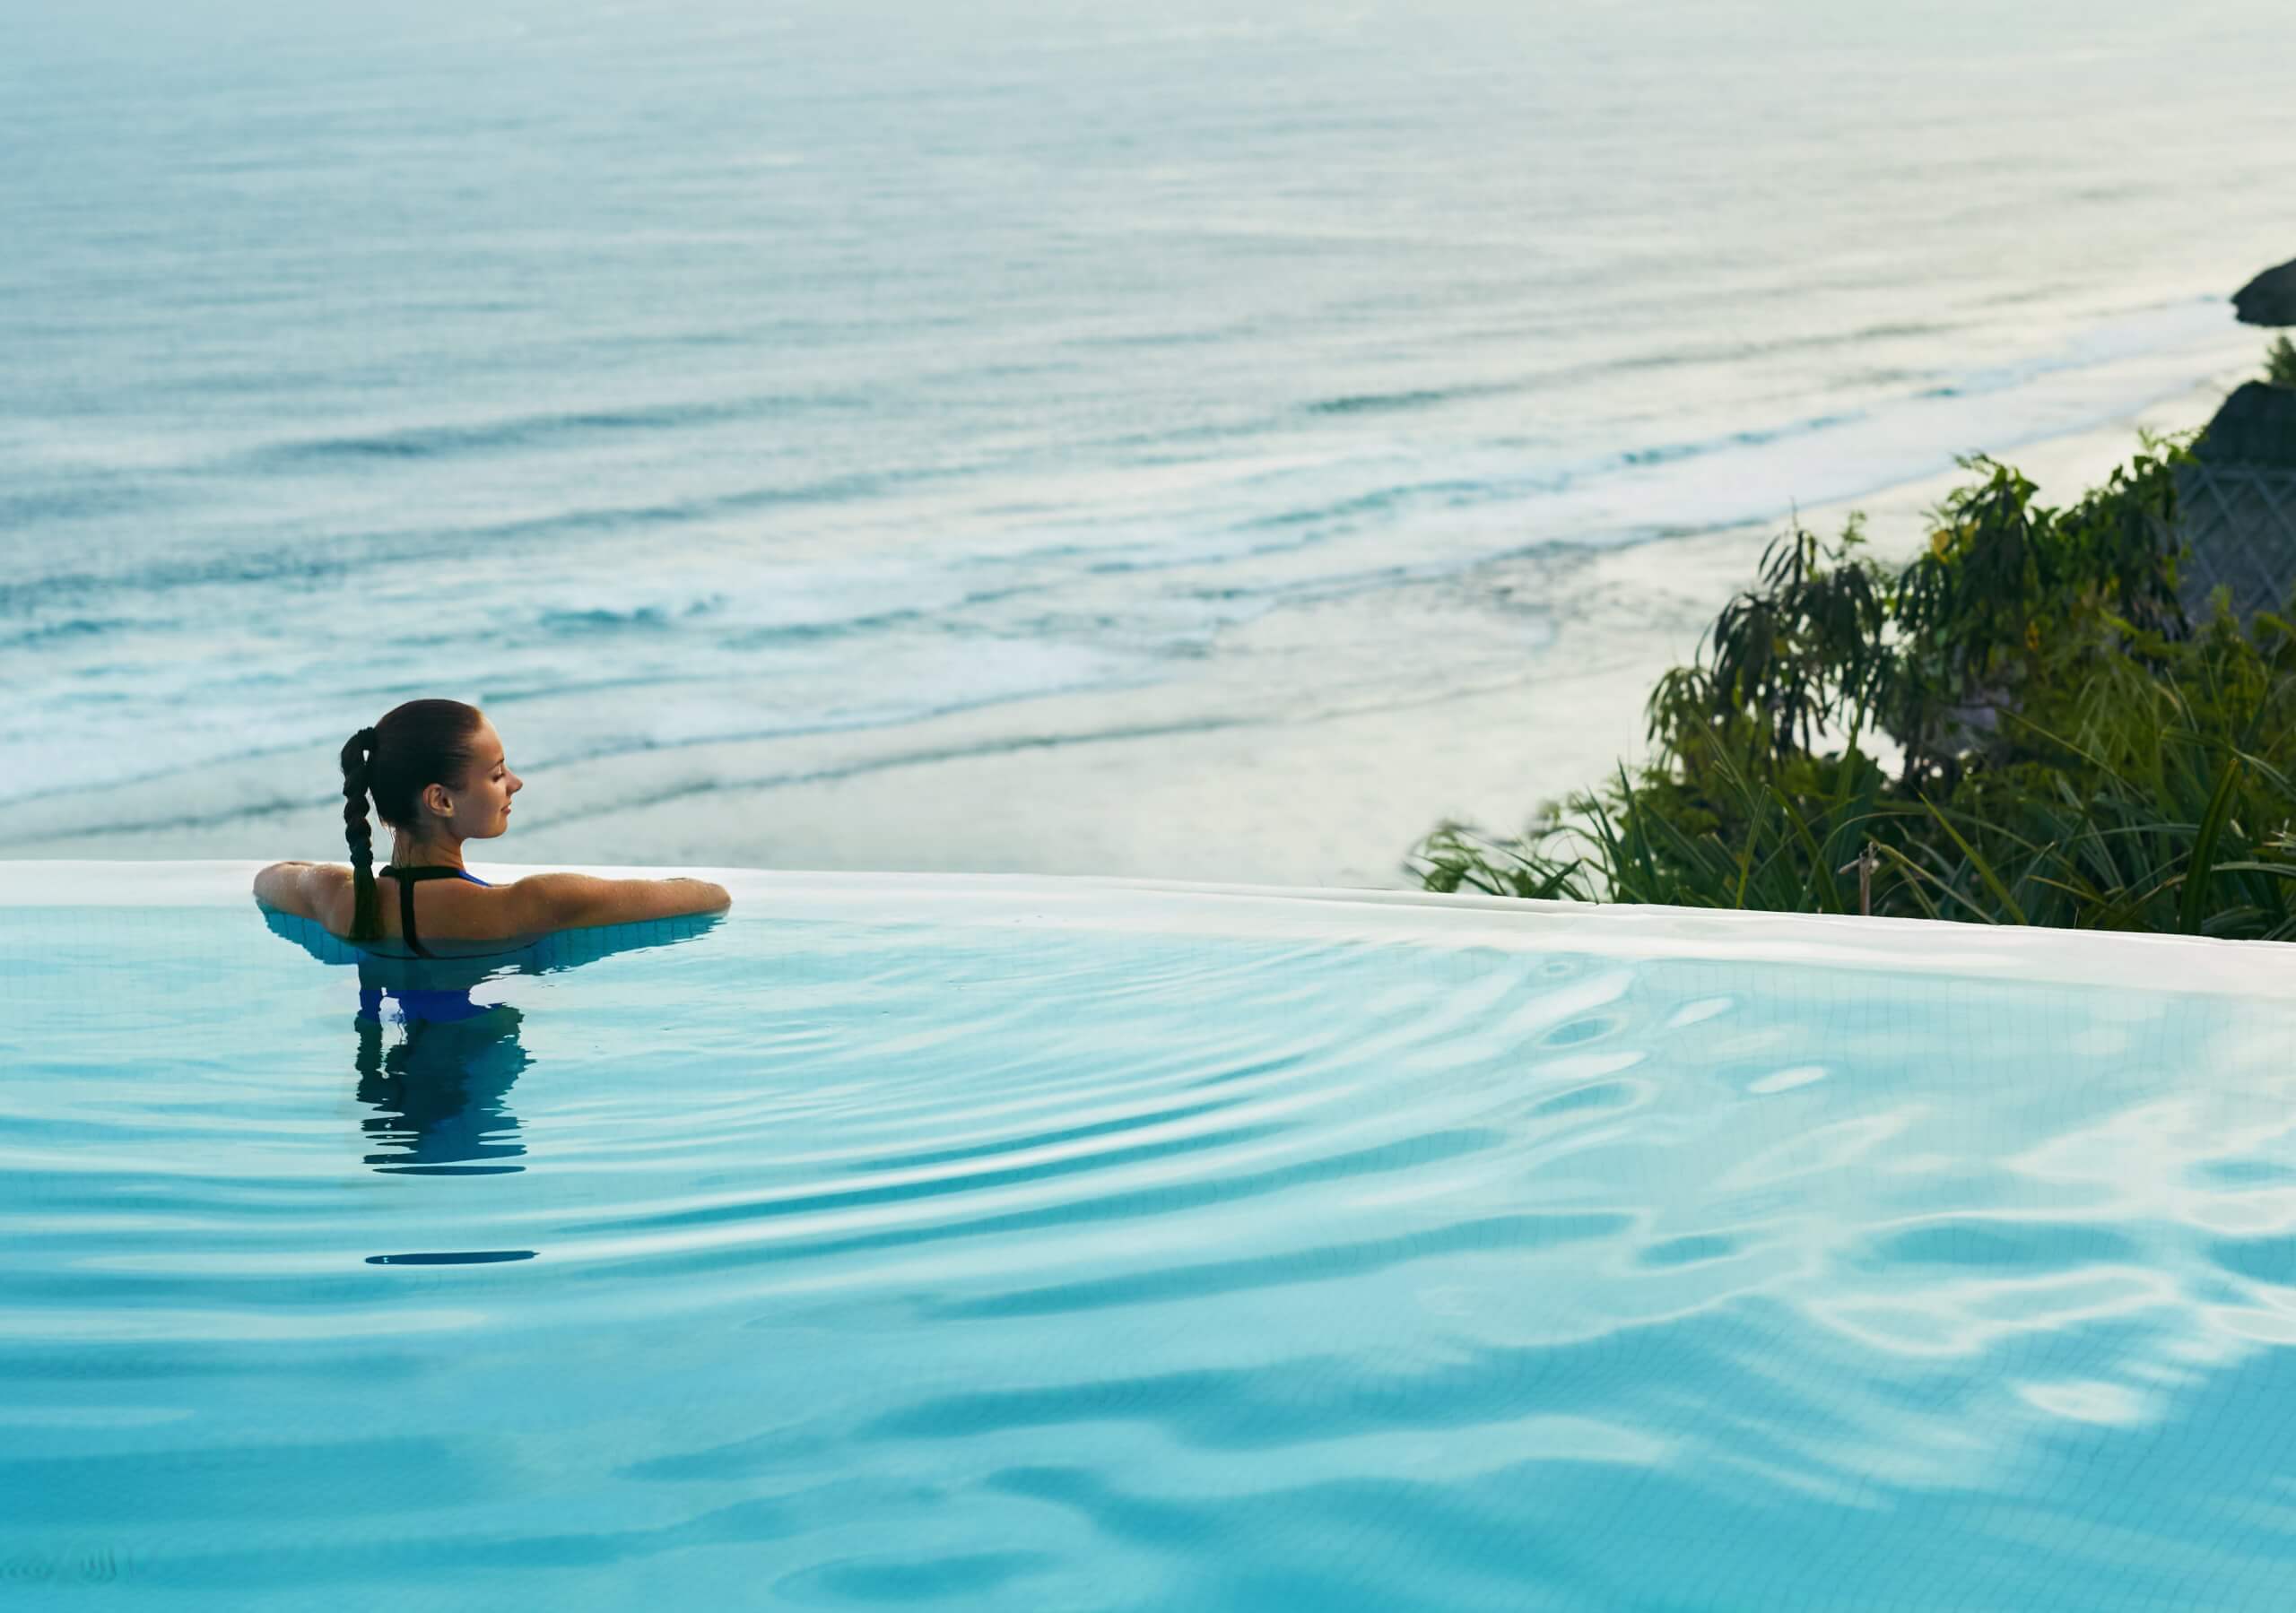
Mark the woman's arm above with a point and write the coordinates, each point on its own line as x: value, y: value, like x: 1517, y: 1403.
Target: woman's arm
x: 543, y: 902
x: 310, y: 892
x: 533, y: 905
x: 284, y: 887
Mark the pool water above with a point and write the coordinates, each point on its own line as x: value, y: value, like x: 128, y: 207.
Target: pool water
x: 1044, y: 1243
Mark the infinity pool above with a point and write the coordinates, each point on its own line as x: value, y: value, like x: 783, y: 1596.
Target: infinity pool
x: 1052, y: 1243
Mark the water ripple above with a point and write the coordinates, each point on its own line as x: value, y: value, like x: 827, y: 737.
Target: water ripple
x: 990, y: 1261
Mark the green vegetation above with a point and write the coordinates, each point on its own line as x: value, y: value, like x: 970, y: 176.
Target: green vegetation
x: 2280, y: 363
x: 2021, y: 725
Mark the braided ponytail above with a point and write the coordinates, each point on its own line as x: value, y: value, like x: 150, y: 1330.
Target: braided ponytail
x: 417, y: 744
x: 366, y: 916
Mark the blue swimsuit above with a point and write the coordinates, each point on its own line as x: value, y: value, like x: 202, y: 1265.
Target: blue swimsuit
x: 408, y: 878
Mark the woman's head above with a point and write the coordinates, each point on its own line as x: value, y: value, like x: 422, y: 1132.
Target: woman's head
x: 436, y: 772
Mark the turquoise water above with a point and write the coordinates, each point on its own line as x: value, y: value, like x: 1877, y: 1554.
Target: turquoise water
x: 1200, y: 370
x: 991, y: 1244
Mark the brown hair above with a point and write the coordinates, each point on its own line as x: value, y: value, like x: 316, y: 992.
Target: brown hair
x: 418, y: 744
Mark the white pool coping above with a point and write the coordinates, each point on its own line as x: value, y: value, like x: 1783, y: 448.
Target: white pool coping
x: 2243, y: 968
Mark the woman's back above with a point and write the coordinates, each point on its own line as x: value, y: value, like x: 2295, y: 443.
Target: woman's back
x: 399, y: 892
x: 453, y: 905
x: 437, y: 775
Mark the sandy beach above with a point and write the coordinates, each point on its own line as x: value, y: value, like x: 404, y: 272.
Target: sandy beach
x: 1128, y: 784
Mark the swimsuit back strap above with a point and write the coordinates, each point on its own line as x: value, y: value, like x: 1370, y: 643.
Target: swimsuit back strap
x: 408, y: 878
x: 406, y: 918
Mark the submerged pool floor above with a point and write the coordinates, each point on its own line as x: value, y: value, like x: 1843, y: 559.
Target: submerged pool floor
x: 820, y: 1259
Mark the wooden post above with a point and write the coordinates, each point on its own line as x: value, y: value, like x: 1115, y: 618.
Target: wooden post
x: 1865, y: 863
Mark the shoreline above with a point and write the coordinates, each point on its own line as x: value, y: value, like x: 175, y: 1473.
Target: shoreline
x: 1141, y: 782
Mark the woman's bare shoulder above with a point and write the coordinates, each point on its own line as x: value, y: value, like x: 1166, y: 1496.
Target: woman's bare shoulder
x: 319, y: 891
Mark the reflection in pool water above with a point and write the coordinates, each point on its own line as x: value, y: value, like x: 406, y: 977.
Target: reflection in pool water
x: 440, y: 1092
x: 441, y: 1088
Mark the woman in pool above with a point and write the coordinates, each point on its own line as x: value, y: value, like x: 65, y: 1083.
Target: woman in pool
x: 438, y: 775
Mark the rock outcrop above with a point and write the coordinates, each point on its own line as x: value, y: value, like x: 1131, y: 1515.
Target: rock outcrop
x: 2270, y: 299
x: 2256, y: 426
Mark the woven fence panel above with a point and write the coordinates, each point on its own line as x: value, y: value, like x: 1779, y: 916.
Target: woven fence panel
x: 2240, y: 521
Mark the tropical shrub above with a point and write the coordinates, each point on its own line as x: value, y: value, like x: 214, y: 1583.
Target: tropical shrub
x: 2063, y: 746
x: 2280, y: 363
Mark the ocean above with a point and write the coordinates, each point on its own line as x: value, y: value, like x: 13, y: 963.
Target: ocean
x: 834, y: 437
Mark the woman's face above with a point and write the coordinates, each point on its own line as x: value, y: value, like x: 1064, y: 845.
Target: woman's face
x: 482, y: 807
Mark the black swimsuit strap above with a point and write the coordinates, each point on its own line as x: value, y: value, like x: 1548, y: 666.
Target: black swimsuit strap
x: 408, y: 878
